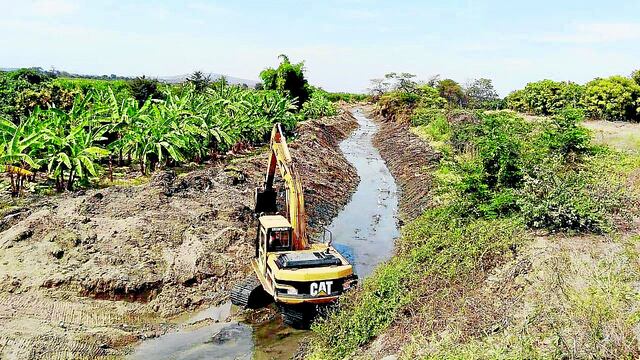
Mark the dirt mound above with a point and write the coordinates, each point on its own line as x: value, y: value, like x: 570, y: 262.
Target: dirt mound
x: 411, y: 162
x: 154, y: 250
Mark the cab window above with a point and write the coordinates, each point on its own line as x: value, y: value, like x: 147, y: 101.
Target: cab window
x: 279, y: 240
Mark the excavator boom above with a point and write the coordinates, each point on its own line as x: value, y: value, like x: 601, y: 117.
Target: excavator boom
x: 266, y: 197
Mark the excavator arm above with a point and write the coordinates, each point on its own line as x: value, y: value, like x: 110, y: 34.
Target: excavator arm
x: 280, y: 158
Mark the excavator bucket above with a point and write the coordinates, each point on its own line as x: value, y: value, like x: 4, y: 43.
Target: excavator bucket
x: 265, y: 201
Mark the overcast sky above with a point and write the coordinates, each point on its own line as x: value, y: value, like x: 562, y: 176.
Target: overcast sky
x: 344, y: 43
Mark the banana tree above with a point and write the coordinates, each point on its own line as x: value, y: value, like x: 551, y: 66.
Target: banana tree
x: 72, y: 144
x: 20, y: 143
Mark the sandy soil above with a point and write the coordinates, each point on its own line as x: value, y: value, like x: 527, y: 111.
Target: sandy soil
x: 88, y: 274
x: 621, y: 135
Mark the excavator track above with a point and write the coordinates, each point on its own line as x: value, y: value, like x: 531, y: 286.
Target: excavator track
x: 298, y: 316
x: 249, y: 293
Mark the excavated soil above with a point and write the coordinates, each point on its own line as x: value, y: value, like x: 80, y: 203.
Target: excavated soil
x: 411, y: 162
x: 87, y: 275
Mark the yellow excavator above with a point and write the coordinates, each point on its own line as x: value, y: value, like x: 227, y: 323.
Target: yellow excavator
x: 300, y: 276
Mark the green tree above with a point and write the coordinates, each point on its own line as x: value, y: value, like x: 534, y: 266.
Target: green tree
x: 199, y: 80
x: 430, y: 98
x: 547, y: 97
x: 636, y: 76
x: 614, y: 98
x: 452, y: 91
x: 143, y: 88
x: 480, y: 94
x: 288, y: 79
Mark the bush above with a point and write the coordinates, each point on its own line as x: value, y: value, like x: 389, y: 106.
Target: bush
x: 614, y: 98
x: 430, y: 98
x: 346, y: 97
x: 564, y: 136
x: 635, y: 76
x: 424, y: 116
x: 556, y: 197
x: 545, y: 97
x: 396, y: 105
x: 516, y: 101
x: 452, y: 92
x: 318, y: 106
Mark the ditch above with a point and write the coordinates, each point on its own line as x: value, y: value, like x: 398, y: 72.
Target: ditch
x: 364, y: 231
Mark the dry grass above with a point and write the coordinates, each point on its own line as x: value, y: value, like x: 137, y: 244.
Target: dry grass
x: 577, y: 297
x: 620, y: 135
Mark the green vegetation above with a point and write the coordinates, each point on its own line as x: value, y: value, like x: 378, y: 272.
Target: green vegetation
x: 545, y: 97
x: 499, y: 176
x: 615, y: 98
x: 75, y: 129
x: 434, y: 249
x: 401, y: 98
x: 318, y: 106
x: 288, y: 79
x: 347, y: 97
x: 156, y: 126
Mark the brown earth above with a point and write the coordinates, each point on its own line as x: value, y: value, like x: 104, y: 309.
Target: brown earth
x: 88, y: 274
x: 411, y: 162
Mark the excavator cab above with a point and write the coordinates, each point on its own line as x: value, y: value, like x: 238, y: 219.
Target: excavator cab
x: 274, y: 234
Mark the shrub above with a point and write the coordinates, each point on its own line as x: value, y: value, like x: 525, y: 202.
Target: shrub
x: 516, y: 101
x: 397, y: 105
x: 430, y: 98
x: 346, y: 97
x: 545, y: 97
x: 635, y: 76
x: 564, y: 136
x: 614, y: 98
x: 424, y: 116
x: 452, y: 92
x: 557, y: 197
x: 318, y: 106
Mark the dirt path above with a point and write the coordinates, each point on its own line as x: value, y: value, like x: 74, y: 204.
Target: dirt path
x: 89, y: 274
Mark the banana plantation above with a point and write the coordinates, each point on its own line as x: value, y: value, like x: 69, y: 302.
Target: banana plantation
x: 99, y: 130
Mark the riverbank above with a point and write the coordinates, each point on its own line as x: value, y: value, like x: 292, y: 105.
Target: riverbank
x: 471, y: 280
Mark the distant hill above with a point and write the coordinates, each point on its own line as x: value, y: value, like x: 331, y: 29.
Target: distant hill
x: 230, y: 79
x: 175, y: 79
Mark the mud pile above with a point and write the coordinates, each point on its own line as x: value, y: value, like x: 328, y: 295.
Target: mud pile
x: 411, y: 162
x: 87, y: 274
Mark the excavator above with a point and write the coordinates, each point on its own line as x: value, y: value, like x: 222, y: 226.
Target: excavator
x: 301, y: 276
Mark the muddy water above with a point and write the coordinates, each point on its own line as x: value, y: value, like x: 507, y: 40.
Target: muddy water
x: 367, y: 227
x: 364, y: 231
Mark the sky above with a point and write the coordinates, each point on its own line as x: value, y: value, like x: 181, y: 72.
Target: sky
x: 344, y: 43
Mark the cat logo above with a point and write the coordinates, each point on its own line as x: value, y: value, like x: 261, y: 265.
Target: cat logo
x: 321, y: 288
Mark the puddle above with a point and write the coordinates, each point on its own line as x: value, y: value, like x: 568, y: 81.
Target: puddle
x: 364, y: 231
x: 230, y: 340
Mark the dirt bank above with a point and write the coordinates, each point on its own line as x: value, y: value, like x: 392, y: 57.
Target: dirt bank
x: 411, y: 162
x: 88, y: 274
